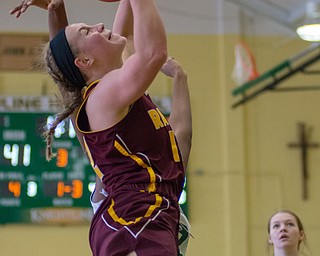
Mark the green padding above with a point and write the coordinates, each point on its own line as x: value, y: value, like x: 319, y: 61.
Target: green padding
x: 264, y: 76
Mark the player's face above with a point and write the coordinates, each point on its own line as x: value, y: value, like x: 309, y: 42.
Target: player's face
x: 94, y: 41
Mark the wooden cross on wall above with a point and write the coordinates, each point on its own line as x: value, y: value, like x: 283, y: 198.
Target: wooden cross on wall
x: 304, y: 146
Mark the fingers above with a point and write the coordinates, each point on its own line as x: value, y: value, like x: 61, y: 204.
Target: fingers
x: 169, y: 67
x: 21, y: 8
x: 53, y: 4
x: 43, y: 4
x: 16, y: 10
x: 172, y: 62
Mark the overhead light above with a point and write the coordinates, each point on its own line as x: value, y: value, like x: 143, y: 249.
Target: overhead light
x: 310, y: 29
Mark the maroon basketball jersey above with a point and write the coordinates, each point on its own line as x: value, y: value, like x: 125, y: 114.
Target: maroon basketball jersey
x: 139, y: 162
x: 140, y: 149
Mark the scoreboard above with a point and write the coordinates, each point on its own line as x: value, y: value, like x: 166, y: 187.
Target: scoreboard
x: 33, y: 189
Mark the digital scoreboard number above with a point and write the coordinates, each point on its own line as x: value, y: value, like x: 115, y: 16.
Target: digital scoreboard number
x: 33, y: 189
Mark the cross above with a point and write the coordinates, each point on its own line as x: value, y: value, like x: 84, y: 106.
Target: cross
x: 304, y: 145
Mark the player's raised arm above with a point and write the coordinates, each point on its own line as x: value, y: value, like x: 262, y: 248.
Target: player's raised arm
x: 180, y: 116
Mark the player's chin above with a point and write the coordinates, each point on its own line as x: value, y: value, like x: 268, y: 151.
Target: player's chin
x: 117, y: 39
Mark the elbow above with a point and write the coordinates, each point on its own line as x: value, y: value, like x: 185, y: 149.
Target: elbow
x: 163, y: 55
x: 156, y: 57
x: 160, y: 56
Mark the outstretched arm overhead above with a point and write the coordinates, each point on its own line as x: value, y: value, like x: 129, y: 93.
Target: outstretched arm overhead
x: 130, y: 82
x: 57, y: 17
x: 123, y: 25
x: 180, y: 117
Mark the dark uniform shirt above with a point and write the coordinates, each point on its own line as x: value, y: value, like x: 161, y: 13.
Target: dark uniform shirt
x: 139, y: 162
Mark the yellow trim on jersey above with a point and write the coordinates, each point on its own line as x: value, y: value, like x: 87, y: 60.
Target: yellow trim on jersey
x: 116, y: 218
x: 174, y: 147
x: 94, y: 167
x: 85, y: 96
x: 153, y: 207
x: 139, y: 161
x: 120, y: 220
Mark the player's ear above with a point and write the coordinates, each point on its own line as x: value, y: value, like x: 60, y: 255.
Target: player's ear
x: 83, y: 62
x: 301, y: 235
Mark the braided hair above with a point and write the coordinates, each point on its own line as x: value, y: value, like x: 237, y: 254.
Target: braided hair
x: 69, y: 106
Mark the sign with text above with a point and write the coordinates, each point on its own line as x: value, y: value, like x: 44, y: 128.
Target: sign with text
x: 19, y: 51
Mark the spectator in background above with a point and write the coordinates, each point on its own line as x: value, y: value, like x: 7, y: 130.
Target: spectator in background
x: 286, y: 234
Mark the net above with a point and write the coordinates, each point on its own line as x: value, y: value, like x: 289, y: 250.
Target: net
x: 244, y: 69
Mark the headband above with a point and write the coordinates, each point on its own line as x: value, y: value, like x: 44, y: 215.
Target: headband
x: 65, y: 60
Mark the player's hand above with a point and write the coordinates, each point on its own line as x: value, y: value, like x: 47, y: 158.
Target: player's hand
x: 171, y: 67
x: 43, y: 4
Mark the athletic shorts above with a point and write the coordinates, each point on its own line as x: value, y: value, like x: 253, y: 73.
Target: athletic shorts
x: 129, y: 221
x: 184, y: 225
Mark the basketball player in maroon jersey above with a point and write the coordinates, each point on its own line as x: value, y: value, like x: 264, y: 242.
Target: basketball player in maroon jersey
x: 130, y: 144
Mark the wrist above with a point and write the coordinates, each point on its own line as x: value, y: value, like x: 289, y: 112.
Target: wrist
x: 180, y: 73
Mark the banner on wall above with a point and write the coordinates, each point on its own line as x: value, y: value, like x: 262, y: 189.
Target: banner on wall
x: 19, y: 51
x: 28, y: 104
